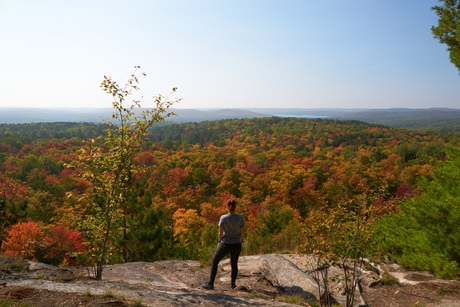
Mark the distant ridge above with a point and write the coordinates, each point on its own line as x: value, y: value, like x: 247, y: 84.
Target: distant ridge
x: 442, y: 119
x: 98, y: 115
x: 40, y: 115
x: 195, y: 115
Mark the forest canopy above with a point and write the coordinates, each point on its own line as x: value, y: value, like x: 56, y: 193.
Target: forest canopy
x: 280, y: 170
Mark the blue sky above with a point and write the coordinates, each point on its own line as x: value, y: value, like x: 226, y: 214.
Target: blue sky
x: 227, y: 54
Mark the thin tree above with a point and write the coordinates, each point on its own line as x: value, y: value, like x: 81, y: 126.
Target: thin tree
x: 341, y: 235
x: 108, y: 163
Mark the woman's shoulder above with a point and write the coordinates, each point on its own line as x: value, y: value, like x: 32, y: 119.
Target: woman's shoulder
x: 231, y: 216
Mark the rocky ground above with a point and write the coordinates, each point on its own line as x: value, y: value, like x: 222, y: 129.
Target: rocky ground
x: 178, y: 283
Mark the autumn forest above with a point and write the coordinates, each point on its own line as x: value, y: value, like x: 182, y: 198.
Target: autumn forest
x: 286, y: 174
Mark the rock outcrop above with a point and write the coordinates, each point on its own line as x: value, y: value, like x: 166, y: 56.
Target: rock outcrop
x: 260, y: 280
x: 287, y: 277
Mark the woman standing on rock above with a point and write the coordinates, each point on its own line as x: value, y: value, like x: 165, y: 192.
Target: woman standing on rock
x: 231, y: 230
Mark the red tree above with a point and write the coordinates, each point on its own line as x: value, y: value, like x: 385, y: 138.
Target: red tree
x: 23, y: 240
x: 61, y: 243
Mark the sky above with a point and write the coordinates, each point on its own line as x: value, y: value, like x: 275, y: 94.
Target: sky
x: 226, y: 54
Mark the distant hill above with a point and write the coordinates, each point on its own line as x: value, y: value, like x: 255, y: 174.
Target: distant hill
x: 97, y: 115
x: 42, y: 115
x: 195, y: 115
x: 306, y: 113
x: 439, y: 119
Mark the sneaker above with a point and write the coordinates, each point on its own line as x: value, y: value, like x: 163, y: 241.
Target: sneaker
x: 207, y: 286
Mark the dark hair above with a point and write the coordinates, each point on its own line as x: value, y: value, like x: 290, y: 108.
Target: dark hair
x: 232, y: 204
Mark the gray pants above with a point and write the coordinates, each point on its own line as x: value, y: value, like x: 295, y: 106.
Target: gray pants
x: 222, y: 250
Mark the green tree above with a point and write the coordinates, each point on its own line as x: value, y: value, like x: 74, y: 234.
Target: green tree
x: 448, y: 29
x: 108, y: 163
x: 424, y: 235
x: 147, y: 233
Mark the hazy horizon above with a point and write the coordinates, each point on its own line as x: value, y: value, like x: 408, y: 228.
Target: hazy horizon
x: 238, y: 54
x: 219, y: 108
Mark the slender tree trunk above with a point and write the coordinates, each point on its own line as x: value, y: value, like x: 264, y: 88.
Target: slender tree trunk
x: 101, y: 261
x: 125, y: 238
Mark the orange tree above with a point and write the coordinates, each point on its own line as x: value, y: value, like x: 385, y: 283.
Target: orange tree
x: 24, y: 240
x: 188, y: 227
